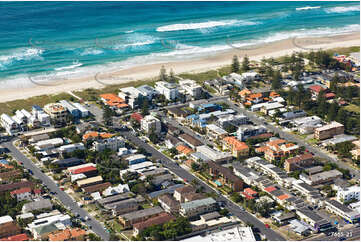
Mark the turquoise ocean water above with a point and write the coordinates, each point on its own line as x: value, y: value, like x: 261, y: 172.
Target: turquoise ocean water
x: 79, y: 38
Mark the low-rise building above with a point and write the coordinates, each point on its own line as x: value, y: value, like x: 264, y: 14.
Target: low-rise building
x: 71, y: 147
x: 90, y: 181
x: 157, y: 220
x: 113, y: 101
x: 76, y: 234
x: 215, y: 132
x: 128, y: 219
x: 135, y: 159
x: 245, y: 132
x: 329, y: 130
x: 22, y: 194
x: 168, y: 203
x: 113, y: 143
x: 299, y: 162
x: 197, y: 207
x: 214, y: 155
x: 131, y: 95
x: 315, y: 220
x: 9, y: 124
x: 37, y: 205
x: 180, y: 193
x: 321, y: 178
x: 191, y: 88
x: 343, y: 211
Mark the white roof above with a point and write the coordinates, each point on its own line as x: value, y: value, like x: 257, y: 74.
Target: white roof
x: 141, y: 165
x: 233, y: 234
x: 6, y: 219
x: 216, y: 129
x: 135, y: 157
x: 55, y: 141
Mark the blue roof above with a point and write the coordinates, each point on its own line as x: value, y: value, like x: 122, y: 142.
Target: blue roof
x: 5, y: 162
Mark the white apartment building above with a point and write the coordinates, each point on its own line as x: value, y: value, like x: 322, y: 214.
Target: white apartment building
x: 38, y: 114
x: 56, y: 111
x: 113, y: 143
x: 131, y: 96
x: 346, y: 194
x: 169, y: 90
x: 191, y: 87
x: 9, y: 124
x: 83, y: 111
x: 150, y: 124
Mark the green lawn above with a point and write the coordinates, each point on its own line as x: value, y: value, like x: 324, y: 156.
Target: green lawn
x: 352, y: 108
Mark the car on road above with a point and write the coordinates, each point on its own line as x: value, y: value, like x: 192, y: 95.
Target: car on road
x: 267, y: 226
x: 185, y: 180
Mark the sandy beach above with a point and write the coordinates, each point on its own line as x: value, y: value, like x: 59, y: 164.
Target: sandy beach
x: 274, y: 49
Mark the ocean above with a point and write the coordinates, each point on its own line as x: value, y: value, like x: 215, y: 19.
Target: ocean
x: 61, y: 39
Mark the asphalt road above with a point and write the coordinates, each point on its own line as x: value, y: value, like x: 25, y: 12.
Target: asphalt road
x: 61, y: 195
x: 184, y: 174
x: 255, y: 119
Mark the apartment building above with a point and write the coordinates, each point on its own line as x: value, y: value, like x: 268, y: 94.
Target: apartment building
x: 129, y: 219
x: 298, y: 162
x: 248, y: 175
x: 169, y: 90
x: 335, y: 207
x: 321, y: 178
x: 113, y: 101
x: 225, y: 176
x: 9, y: 124
x: 191, y: 88
x: 151, y: 124
x: 38, y: 114
x: 237, y: 148
x: 198, y: 207
x: 113, y: 143
x: 131, y: 95
x: 213, y: 154
x: 228, y: 120
x: 157, y: 220
x: 71, y: 147
x: 348, y: 193
x: 248, y: 131
x: 276, y: 149
x: 147, y: 91
x: 329, y: 130
x: 74, y: 111
x: 215, y: 132
x: 168, y: 203
x: 56, y: 111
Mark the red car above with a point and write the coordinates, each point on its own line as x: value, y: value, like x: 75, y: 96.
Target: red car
x: 267, y: 226
x: 185, y: 180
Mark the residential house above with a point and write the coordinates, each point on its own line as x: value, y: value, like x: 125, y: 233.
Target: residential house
x: 56, y: 111
x: 22, y: 194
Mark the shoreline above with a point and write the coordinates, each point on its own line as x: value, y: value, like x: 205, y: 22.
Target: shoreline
x: 194, y: 65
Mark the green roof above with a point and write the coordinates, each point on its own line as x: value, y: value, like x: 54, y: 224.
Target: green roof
x: 46, y: 229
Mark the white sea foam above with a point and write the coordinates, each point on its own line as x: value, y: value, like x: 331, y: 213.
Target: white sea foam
x: 91, y: 51
x: 343, y: 9
x: 202, y: 25
x: 73, y: 66
x: 307, y: 8
x: 19, y: 55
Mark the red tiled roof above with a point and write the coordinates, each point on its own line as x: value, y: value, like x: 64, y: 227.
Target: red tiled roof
x: 21, y: 191
x: 283, y: 197
x: 330, y: 95
x: 316, y: 88
x: 37, y: 191
x: 137, y: 116
x: 299, y: 158
x: 237, y: 145
x: 18, y: 237
x: 250, y: 191
x: 83, y: 170
x: 247, y: 196
x: 270, y: 189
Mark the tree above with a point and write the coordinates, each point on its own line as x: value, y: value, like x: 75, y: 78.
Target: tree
x: 235, y: 64
x: 172, y: 77
x: 195, y: 166
x: 332, y: 112
x: 163, y: 74
x: 276, y: 80
x: 245, y: 63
